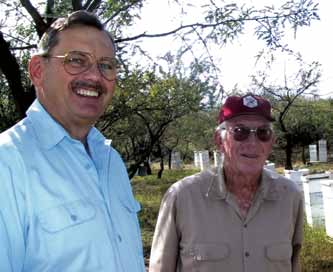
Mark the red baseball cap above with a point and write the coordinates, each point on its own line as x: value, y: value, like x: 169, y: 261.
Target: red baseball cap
x: 248, y: 104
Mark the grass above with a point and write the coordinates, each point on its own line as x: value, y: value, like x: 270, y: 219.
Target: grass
x: 149, y: 191
x: 317, y: 251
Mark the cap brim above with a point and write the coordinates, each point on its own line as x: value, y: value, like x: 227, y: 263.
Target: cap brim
x: 268, y: 118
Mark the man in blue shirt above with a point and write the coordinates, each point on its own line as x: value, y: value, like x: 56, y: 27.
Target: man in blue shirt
x: 65, y: 197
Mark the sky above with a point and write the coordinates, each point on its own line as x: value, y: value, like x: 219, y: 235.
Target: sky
x: 236, y: 61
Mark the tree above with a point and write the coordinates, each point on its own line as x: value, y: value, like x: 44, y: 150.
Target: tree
x: 220, y: 23
x: 284, y: 97
x: 148, y: 103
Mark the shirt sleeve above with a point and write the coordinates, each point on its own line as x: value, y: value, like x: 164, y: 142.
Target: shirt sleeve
x: 11, y: 221
x: 164, y: 251
x: 298, y: 237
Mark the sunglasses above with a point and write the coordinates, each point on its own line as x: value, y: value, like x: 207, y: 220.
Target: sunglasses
x: 77, y: 62
x: 241, y: 133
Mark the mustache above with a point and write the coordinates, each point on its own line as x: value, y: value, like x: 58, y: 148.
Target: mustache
x: 88, y: 84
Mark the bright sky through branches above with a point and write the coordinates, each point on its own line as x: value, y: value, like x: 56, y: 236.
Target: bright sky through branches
x: 236, y: 60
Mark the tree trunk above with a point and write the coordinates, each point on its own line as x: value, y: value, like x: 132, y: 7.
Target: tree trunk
x: 147, y: 165
x: 159, y: 174
x: 10, y: 68
x: 169, y: 158
x: 303, y: 155
x: 289, y: 150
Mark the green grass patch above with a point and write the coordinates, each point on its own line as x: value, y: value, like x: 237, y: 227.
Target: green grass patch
x: 317, y: 252
x: 149, y: 191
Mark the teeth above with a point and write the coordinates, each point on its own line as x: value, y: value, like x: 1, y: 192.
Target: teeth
x: 87, y: 93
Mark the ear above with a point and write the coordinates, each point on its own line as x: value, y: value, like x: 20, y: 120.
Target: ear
x: 36, y: 66
x: 218, y: 141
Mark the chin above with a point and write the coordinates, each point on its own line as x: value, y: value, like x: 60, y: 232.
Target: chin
x: 250, y: 169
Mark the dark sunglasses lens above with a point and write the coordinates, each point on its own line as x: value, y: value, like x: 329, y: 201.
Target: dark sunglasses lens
x: 264, y: 134
x: 241, y: 133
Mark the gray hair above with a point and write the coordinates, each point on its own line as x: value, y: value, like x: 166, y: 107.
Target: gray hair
x: 78, y: 18
x: 221, y: 129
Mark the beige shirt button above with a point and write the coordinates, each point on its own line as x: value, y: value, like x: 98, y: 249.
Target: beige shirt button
x: 199, y: 258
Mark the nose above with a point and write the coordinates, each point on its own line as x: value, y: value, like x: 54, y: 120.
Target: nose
x: 93, y: 72
x: 252, y: 137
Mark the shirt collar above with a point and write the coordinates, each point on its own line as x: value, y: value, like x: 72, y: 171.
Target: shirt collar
x: 217, y: 187
x: 268, y: 187
x: 49, y: 132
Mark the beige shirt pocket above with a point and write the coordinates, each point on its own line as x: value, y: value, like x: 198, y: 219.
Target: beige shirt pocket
x: 278, y: 257
x: 205, y: 257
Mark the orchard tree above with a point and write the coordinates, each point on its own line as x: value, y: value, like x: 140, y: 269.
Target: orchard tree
x: 23, y: 22
x: 145, y: 106
x: 284, y: 94
x: 149, y: 97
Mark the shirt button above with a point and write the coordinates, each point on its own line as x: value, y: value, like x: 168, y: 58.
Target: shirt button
x: 247, y: 254
x: 199, y: 258
x: 119, y: 238
x: 245, y: 225
x: 73, y: 217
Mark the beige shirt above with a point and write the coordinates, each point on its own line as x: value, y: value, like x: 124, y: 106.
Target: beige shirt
x: 200, y: 227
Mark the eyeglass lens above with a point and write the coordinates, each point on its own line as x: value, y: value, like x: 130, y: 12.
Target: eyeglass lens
x: 76, y: 62
x: 241, y: 133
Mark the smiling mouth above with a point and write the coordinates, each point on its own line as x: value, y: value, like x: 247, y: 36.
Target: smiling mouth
x: 87, y: 93
x: 89, y: 89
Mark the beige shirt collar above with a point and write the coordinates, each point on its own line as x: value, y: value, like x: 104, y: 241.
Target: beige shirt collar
x: 216, y: 189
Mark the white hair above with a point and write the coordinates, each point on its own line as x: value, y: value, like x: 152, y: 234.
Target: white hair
x: 222, y: 129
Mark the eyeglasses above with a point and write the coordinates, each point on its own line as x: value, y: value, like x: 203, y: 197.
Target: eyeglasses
x: 241, y: 133
x: 77, y: 62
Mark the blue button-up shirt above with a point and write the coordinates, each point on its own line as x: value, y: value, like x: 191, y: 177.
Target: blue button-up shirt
x: 62, y: 209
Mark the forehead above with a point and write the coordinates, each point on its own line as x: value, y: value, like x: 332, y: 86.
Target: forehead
x: 249, y: 120
x: 85, y: 38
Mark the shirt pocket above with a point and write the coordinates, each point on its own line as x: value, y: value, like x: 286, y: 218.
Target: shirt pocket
x: 206, y: 257
x: 278, y: 257
x: 68, y: 237
x: 129, y: 224
x: 66, y: 216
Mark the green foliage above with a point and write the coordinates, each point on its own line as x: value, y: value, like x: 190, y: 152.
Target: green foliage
x: 317, y: 252
x: 8, y: 115
x: 284, y: 93
x: 146, y: 105
x: 192, y: 132
x: 148, y: 191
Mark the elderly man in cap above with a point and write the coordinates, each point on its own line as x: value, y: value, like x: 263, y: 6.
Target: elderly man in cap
x: 236, y: 218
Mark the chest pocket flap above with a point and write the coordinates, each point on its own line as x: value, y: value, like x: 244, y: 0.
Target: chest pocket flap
x: 279, y: 252
x: 66, y: 215
x: 210, y: 252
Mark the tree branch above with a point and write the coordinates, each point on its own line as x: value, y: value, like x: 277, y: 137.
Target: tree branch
x: 92, y: 5
x: 77, y: 5
x: 40, y: 25
x: 49, y: 11
x: 11, y: 70
x: 115, y: 14
x: 200, y: 25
